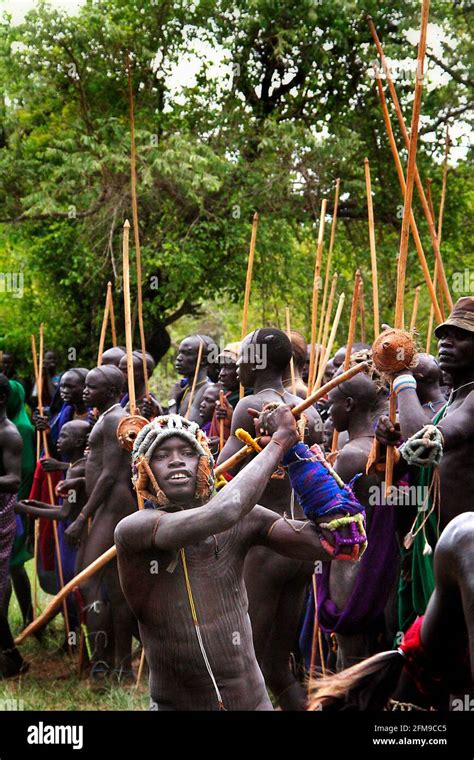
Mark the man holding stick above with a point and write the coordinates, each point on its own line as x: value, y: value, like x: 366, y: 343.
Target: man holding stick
x: 182, y: 564
x: 276, y: 585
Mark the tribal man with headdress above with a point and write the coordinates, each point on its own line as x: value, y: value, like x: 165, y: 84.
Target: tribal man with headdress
x: 181, y: 564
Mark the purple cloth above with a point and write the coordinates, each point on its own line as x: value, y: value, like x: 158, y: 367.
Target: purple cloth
x: 377, y: 574
x: 7, y: 537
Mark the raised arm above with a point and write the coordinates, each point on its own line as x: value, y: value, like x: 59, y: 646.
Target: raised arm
x: 171, y: 531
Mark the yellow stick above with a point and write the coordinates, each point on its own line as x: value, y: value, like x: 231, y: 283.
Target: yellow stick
x: 39, y: 385
x: 403, y: 252
x: 105, y: 320
x: 112, y: 317
x: 248, y: 283
x: 328, y: 262
x: 415, y: 308
x: 315, y: 298
x: 363, y: 335
x: 440, y: 229
x: 196, y: 373
x: 332, y: 337
x: 36, y: 526
x: 350, y: 338
x: 406, y: 139
x: 292, y: 363
x: 128, y: 319
x: 373, y: 252
x: 401, y: 179
x: 328, y: 315
x: 136, y: 231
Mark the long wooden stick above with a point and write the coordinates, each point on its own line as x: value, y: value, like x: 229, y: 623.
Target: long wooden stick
x: 373, y: 251
x: 44, y: 436
x: 414, y: 312
x: 363, y: 333
x: 406, y: 139
x: 70, y: 586
x: 440, y: 230
x: 350, y: 338
x: 112, y: 317
x: 317, y: 642
x: 292, y: 363
x: 196, y: 374
x: 36, y: 524
x: 331, y: 340
x: 248, y: 283
x: 329, y: 261
x: 315, y: 297
x: 401, y: 179
x: 403, y: 252
x: 111, y: 553
x: 105, y: 320
x: 128, y: 318
x: 327, y: 319
x: 411, y: 168
x: 136, y: 231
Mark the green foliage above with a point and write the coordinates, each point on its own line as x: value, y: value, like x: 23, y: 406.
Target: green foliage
x: 293, y: 107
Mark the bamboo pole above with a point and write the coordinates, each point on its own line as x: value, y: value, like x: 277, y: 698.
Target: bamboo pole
x: 248, y: 283
x: 105, y: 320
x: 414, y: 312
x: 136, y: 231
x: 373, y: 251
x: 406, y: 139
x: 329, y: 261
x: 350, y: 338
x: 315, y: 297
x: 331, y: 340
x: 401, y: 179
x: 292, y: 363
x: 196, y: 374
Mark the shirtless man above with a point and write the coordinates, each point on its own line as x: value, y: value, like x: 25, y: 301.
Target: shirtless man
x: 186, y: 365
x: 11, y: 662
x: 354, y: 588
x: 109, y: 499
x: 211, y: 664
x: 113, y: 355
x: 456, y: 423
x: 276, y: 585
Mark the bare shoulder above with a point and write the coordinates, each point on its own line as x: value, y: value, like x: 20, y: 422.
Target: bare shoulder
x: 132, y: 532
x: 9, y: 436
x: 350, y: 461
x: 241, y: 417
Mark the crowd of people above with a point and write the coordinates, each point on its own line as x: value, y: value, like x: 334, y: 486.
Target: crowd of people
x: 287, y: 579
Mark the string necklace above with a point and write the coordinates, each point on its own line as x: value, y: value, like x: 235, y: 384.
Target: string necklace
x: 101, y: 416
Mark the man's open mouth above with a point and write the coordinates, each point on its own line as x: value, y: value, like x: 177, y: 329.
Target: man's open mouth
x: 176, y: 477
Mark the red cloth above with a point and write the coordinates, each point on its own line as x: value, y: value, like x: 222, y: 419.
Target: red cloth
x: 40, y: 492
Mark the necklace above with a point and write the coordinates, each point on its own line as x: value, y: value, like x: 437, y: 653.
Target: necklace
x: 101, y: 416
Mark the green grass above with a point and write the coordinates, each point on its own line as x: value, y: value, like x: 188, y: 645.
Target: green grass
x: 52, y: 682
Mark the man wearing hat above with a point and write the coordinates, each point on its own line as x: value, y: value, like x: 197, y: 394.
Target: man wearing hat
x: 440, y: 454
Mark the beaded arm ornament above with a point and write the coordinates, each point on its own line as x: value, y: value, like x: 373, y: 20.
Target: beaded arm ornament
x: 321, y: 494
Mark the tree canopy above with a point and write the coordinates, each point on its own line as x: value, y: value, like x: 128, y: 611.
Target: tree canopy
x: 282, y: 103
